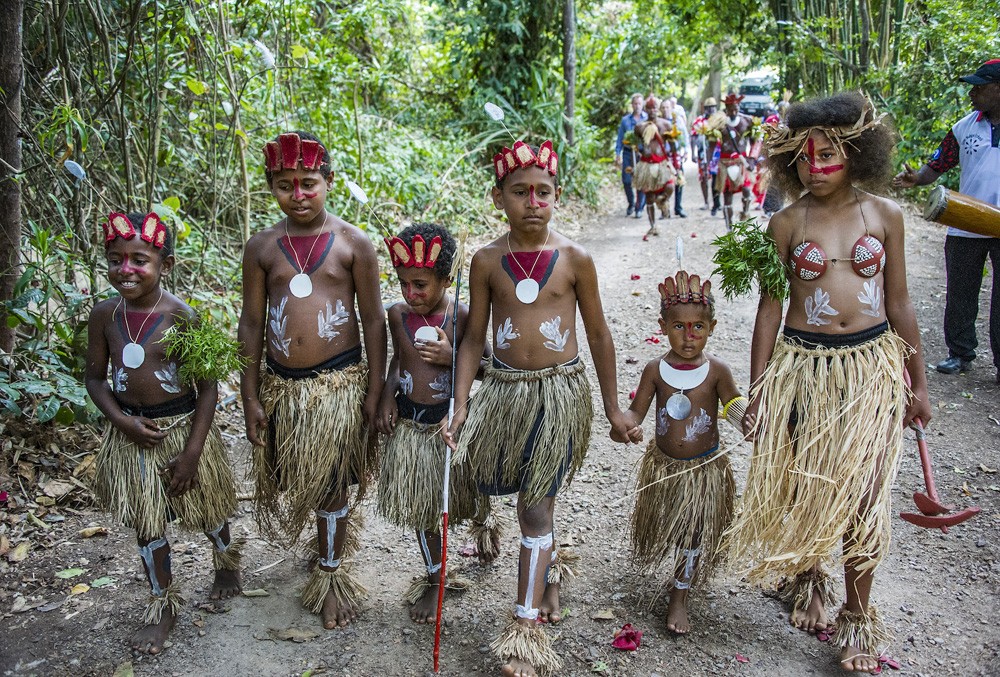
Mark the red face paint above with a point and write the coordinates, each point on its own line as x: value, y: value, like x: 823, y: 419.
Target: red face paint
x: 534, y: 201
x: 690, y: 330
x: 298, y: 193
x: 813, y: 169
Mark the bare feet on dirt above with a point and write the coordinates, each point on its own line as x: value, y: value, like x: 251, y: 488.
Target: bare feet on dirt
x: 812, y: 619
x: 425, y: 610
x: 853, y: 659
x: 151, y: 638
x: 336, y: 615
x: 487, y: 555
x: 227, y: 584
x: 518, y: 668
x: 549, y: 610
x: 677, y: 612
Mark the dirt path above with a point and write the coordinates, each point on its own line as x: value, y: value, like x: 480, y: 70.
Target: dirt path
x: 935, y: 591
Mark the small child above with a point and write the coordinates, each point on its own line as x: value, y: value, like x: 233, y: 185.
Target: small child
x: 162, y: 456
x: 414, y: 408
x: 686, y: 489
x: 529, y: 424
x: 309, y: 410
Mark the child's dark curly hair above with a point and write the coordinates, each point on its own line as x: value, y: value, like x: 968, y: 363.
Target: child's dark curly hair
x: 709, y: 308
x: 442, y: 267
x: 869, y: 157
x: 324, y: 167
x: 499, y: 182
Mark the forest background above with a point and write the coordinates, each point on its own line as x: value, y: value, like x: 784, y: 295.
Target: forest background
x: 164, y: 105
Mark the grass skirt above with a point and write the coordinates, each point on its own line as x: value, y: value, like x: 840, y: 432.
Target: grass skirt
x: 682, y: 505
x: 652, y: 177
x: 412, y: 475
x: 501, y: 417
x: 806, y: 485
x: 315, y: 444
x: 128, y: 484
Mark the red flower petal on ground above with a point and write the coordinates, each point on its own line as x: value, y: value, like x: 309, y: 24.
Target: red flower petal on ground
x: 740, y: 658
x: 652, y: 340
x: 628, y: 638
x: 3, y: 497
x: 822, y: 636
x: 634, y: 277
x: 631, y: 395
x: 891, y: 662
x: 694, y: 234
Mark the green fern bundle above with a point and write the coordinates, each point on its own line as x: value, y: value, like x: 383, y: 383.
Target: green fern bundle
x: 745, y: 254
x: 204, y: 349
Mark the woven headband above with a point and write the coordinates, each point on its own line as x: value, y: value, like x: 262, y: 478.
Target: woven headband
x: 782, y: 139
x: 152, y: 230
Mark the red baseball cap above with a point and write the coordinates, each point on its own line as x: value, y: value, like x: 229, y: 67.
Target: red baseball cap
x: 985, y: 74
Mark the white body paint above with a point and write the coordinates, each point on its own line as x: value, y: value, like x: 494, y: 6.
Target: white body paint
x: 556, y: 340
x: 505, y: 334
x: 168, y: 378
x: 818, y: 305
x: 327, y: 322
x: 279, y: 325
x: 406, y: 383
x: 662, y: 421
x: 441, y: 386
x: 700, y: 425
x: 119, y: 380
x: 872, y: 297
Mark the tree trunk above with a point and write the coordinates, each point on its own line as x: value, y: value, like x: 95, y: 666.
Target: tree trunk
x: 569, y: 67
x: 11, y: 16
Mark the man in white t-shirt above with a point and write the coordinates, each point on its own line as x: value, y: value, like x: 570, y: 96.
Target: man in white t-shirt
x: 973, y: 144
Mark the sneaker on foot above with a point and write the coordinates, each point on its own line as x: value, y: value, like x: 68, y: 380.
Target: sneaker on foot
x: 628, y: 212
x: 953, y: 365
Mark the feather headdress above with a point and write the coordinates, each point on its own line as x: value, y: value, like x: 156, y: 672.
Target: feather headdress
x: 684, y: 288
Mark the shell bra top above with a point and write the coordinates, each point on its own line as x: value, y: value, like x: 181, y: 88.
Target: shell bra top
x: 808, y: 260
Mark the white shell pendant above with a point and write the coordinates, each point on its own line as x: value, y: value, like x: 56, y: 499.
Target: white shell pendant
x: 526, y: 291
x: 133, y: 355
x: 426, y: 333
x: 678, y: 406
x: 300, y: 286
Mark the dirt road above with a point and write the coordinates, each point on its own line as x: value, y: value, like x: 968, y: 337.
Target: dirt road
x: 935, y: 591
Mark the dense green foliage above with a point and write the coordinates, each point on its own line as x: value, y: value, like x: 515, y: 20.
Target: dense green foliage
x: 746, y: 255
x: 205, y: 349
x: 166, y: 104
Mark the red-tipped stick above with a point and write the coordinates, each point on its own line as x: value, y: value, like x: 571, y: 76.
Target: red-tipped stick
x: 442, y: 572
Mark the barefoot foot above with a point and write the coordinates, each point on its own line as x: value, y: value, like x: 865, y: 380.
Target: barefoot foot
x: 150, y: 638
x: 336, y: 614
x: 425, y: 608
x: 549, y: 610
x: 813, y: 618
x: 853, y: 659
x: 518, y: 668
x: 677, y: 613
x: 227, y: 584
x: 488, y: 554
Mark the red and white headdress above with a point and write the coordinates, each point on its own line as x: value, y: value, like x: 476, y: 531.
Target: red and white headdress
x: 521, y: 156
x: 152, y: 231
x: 732, y: 98
x: 419, y: 255
x: 684, y: 289
x: 290, y: 150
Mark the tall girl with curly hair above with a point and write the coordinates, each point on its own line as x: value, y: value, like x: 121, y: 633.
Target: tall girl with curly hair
x: 829, y: 402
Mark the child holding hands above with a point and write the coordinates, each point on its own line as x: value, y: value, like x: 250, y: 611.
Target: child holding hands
x: 685, y: 486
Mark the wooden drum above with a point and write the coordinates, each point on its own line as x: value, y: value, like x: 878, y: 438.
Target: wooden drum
x: 962, y: 211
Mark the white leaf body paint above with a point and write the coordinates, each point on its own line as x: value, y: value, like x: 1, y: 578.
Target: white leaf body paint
x: 168, y: 378
x: 326, y: 322
x: 701, y: 424
x: 119, y: 378
x: 406, y: 383
x: 556, y: 340
x: 817, y: 305
x: 872, y: 296
x: 662, y: 421
x: 279, y: 325
x: 506, y: 333
x: 442, y: 386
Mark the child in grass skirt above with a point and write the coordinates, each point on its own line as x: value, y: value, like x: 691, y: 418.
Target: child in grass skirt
x: 162, y: 456
x: 685, y: 486
x: 829, y: 403
x: 414, y: 409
